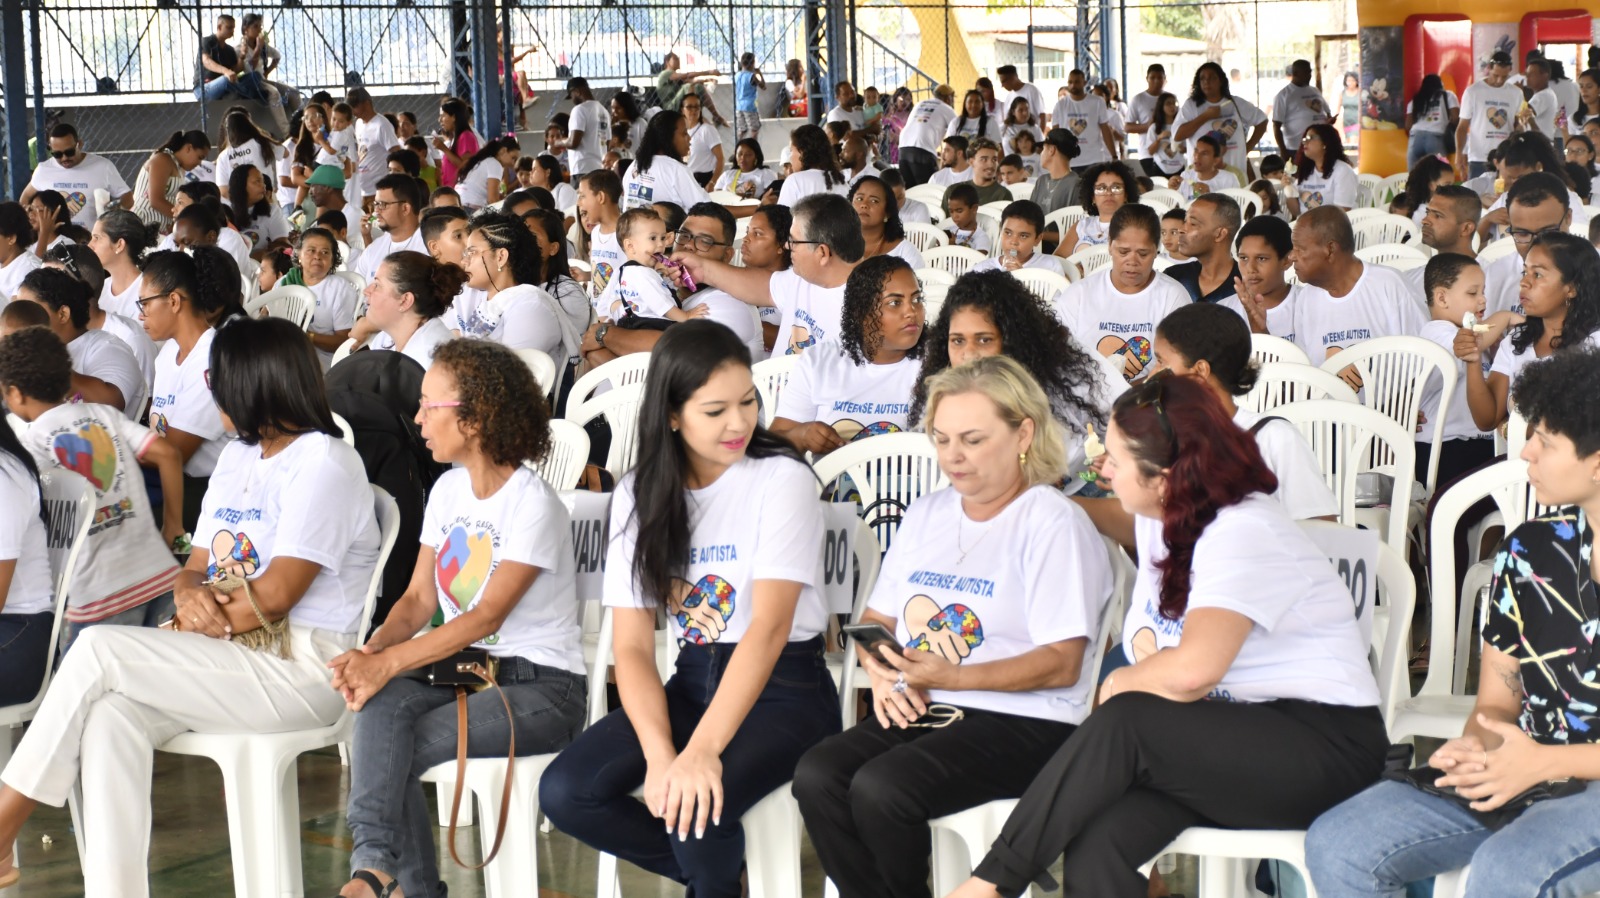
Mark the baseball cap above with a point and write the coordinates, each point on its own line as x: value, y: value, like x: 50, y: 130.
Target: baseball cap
x: 327, y: 176
x: 1500, y: 57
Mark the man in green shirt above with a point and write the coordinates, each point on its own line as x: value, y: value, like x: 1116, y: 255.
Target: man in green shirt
x: 672, y: 85
x: 985, y: 157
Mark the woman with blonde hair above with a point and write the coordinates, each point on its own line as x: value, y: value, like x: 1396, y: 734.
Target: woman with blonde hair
x: 993, y: 591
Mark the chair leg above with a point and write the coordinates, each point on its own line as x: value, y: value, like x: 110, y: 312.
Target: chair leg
x: 772, y: 845
x: 607, y: 884
x: 253, y: 825
x: 445, y: 791
x: 951, y: 860
x: 290, y: 877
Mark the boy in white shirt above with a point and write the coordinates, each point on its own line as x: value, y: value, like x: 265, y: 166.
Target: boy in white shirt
x: 638, y: 290
x: 1206, y: 175
x: 599, y: 199
x: 963, y: 203
x: 1455, y: 290
x: 1021, y: 225
x: 1262, y: 295
x: 911, y: 211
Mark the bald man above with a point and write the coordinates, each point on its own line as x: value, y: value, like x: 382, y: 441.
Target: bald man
x: 1344, y: 300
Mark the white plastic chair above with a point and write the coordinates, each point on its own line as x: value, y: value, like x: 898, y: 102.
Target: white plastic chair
x: 1388, y: 188
x: 542, y: 366
x: 770, y: 375
x: 930, y: 276
x: 1394, y: 374
x: 628, y: 369
x: 1362, y: 213
x: 933, y: 296
x: 1496, y: 249
x: 569, y: 454
x: 1266, y: 348
x: 954, y: 260
x: 889, y: 471
x: 925, y: 236
x: 1349, y: 440
x: 930, y: 195
x: 620, y: 407
x: 1065, y: 218
x: 1367, y: 196
x: 343, y: 352
x: 259, y: 779
x: 1386, y: 229
x: 1249, y: 203
x: 1165, y: 197
x: 1023, y: 191
x: 994, y: 209
x: 297, y: 304
x: 1281, y: 383
x: 1399, y: 256
x: 1089, y: 260
x: 354, y: 279
x: 347, y: 433
x: 1041, y: 283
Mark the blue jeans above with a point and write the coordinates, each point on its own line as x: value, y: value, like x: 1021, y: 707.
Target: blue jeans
x: 1392, y: 834
x: 1475, y: 169
x: 24, y: 646
x: 1423, y: 143
x: 151, y: 614
x: 409, y: 727
x: 249, y: 86
x: 587, y: 791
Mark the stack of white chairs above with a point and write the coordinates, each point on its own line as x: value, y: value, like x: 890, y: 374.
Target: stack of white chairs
x: 1349, y: 440
x: 619, y: 405
x: 1067, y: 217
x: 1386, y: 228
x: 1399, y: 256
x: 889, y: 472
x: 1162, y: 199
x: 925, y: 236
x: 1267, y: 348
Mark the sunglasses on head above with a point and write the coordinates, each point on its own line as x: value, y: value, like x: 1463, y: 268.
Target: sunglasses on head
x: 1150, y: 394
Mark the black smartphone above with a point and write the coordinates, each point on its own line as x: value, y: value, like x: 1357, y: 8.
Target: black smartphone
x: 871, y: 636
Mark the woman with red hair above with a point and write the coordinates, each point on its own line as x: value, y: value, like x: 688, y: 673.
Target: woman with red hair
x: 1249, y: 704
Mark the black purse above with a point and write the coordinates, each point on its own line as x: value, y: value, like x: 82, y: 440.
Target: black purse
x: 475, y: 670
x: 460, y: 669
x: 1424, y: 778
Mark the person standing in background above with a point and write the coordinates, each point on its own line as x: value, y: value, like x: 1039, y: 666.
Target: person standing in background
x: 1142, y: 115
x: 587, y: 130
x: 747, y: 82
x: 925, y: 127
x: 374, y: 139
x: 1297, y: 107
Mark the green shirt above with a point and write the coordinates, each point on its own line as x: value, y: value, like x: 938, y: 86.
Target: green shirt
x: 668, y: 91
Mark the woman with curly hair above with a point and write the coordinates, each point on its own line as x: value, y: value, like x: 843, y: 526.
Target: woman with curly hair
x: 814, y: 167
x: 991, y: 313
x: 1561, y: 301
x: 1429, y: 174
x: 861, y: 385
x: 504, y: 262
x: 497, y: 561
x: 1104, y: 189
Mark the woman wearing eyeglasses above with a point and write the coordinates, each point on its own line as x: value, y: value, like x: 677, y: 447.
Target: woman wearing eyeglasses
x: 994, y: 589
x: 881, y: 230
x: 497, y: 561
x: 859, y: 386
x: 184, y: 299
x: 1104, y: 189
x: 1245, y: 644
x: 719, y: 526
x: 502, y: 259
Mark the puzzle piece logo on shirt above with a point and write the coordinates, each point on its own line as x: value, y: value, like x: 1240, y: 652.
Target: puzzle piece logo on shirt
x: 463, y: 565
x: 704, y: 609
x: 800, y: 339
x: 89, y: 452
x: 76, y: 200
x: 233, y: 553
x: 850, y: 430
x: 952, y: 631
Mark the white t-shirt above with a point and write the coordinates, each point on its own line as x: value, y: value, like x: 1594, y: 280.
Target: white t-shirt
x: 345, y: 149
x: 636, y: 290
x: 1298, y: 108
x: 22, y: 539
x: 574, y: 301
x: 1142, y: 109
x: 1233, y: 127
x: 1042, y: 578
x: 914, y: 212
x: 1458, y: 423
x: 1038, y: 260
x: 125, y: 562
x: 741, y: 318
x: 594, y: 120
x: 99, y: 354
x: 1084, y: 118
x: 926, y: 125
x: 1280, y: 318
x: 1491, y: 113
x: 374, y: 140
x: 310, y: 501
x: 1253, y: 560
x: 78, y: 184
x: 248, y: 153
x: 703, y: 142
x: 908, y: 251
x: 473, y: 187
x: 263, y: 229
x: 857, y: 401
x: 132, y: 335
x: 1109, y: 322
x: 802, y: 184
x: 944, y: 177
x: 1546, y: 108
x: 11, y: 275
x: 424, y: 340
x: 286, y: 195
x: 855, y: 118
x: 809, y: 313
x: 380, y: 248
x: 1301, y: 489
x: 1379, y: 305
x: 1509, y: 363
x: 335, y: 310
x: 745, y: 183
x: 973, y: 128
x: 1436, y: 118
x: 1009, y: 136
x: 759, y: 521
x: 1193, y: 185
x: 519, y: 317
x: 1028, y: 92
x: 977, y: 239
x: 1092, y: 232
x: 1341, y: 188
x: 566, y: 196
x: 666, y: 180
x: 605, y: 254
x: 181, y: 398
x: 523, y: 522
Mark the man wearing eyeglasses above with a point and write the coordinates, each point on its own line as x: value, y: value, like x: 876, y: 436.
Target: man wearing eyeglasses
x: 1536, y: 203
x: 398, y: 208
x: 707, y: 233
x: 78, y: 176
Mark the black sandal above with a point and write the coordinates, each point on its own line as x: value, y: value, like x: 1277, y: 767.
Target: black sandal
x: 379, y: 890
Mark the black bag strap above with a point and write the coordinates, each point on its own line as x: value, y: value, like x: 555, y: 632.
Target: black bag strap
x: 1256, y: 427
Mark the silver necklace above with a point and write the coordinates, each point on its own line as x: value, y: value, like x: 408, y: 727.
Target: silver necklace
x: 964, y: 551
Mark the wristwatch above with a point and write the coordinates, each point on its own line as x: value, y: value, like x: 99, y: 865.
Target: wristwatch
x: 600, y: 334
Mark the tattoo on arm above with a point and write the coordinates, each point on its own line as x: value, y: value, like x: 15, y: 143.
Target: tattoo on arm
x: 1511, y: 675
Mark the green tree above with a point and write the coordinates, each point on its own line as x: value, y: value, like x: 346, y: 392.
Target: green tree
x: 1175, y: 20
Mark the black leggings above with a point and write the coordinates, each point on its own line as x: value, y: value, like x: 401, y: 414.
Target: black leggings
x: 868, y: 793
x: 1142, y: 769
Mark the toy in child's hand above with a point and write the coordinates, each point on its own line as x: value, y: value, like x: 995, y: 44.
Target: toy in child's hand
x: 1092, y: 450
x: 1470, y: 322
x: 678, y: 272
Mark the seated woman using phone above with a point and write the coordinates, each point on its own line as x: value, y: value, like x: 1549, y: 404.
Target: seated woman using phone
x: 994, y: 587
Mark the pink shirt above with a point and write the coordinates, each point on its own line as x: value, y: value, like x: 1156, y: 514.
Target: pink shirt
x: 464, y: 147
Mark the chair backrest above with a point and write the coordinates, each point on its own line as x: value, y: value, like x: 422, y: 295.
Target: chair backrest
x: 354, y: 278
x: 991, y: 226
x: 347, y: 433
x: 620, y: 407
x: 1361, y: 214
x: 1089, y: 260
x: 563, y: 467
x: 928, y: 276
x: 1386, y: 229
x: 1021, y: 191
x: 1399, y: 256
x: 933, y: 296
x: 388, y: 512
x: 889, y: 472
x: 955, y: 260
x: 343, y: 352
x: 1249, y: 203
x: 1388, y: 188
x: 1266, y: 348
x: 1166, y: 198
x: 297, y: 304
x: 1496, y: 249
x: 1395, y: 373
x: 930, y: 195
x: 925, y: 236
x: 1281, y: 383
x: 994, y: 209
x: 628, y: 369
x: 1065, y: 218
x: 1042, y: 283
x: 1367, y: 197
x: 1349, y: 440
x: 542, y: 366
x: 69, y: 501
x: 770, y: 376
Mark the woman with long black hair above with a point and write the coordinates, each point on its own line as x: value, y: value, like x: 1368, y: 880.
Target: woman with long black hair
x: 244, y: 143
x: 482, y: 179
x: 658, y: 173
x: 156, y: 188
x: 1213, y: 109
x: 1430, y: 120
x: 254, y: 213
x: 718, y: 525
x: 814, y: 167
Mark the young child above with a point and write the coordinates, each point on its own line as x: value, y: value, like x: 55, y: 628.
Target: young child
x: 340, y: 149
x: 747, y: 82
x: 871, y: 108
x: 1205, y: 174
x: 525, y: 172
x: 638, y: 290
x: 1027, y: 149
x: 127, y: 571
x: 1021, y: 224
x: 953, y: 167
x: 1172, y: 235
x: 1454, y: 287
x: 599, y: 192
x: 963, y: 205
x: 444, y: 196
x: 427, y: 171
x: 15, y: 316
x: 274, y: 265
x: 1012, y: 171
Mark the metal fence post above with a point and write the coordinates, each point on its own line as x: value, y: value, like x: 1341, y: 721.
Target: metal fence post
x: 485, y: 69
x: 16, y: 106
x: 813, y: 62
x: 37, y: 49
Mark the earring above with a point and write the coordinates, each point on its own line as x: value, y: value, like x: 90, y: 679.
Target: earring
x: 1022, y: 458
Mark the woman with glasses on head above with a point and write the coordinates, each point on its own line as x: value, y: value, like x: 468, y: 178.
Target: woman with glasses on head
x: 1104, y: 189
x: 719, y: 526
x: 994, y: 591
x: 861, y: 385
x: 1244, y: 640
x: 290, y: 513
x: 497, y: 562
x: 881, y: 230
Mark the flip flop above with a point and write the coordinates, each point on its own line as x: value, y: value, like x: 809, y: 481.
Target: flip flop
x: 379, y: 890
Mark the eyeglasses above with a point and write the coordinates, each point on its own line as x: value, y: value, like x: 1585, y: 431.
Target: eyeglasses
x: 1107, y: 189
x: 64, y: 154
x: 64, y: 256
x: 427, y: 407
x: 143, y: 300
x: 380, y: 205
x: 1525, y: 236
x: 790, y: 241
x: 1149, y: 395
x: 702, y: 242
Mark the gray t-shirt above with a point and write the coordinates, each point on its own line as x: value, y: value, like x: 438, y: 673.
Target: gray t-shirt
x: 1054, y: 193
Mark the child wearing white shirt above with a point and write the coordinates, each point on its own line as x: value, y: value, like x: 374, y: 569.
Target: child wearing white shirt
x: 963, y: 206
x: 1206, y: 175
x: 1021, y: 225
x: 637, y: 290
x: 1454, y: 286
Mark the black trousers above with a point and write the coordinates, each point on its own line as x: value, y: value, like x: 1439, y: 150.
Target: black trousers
x: 1142, y: 769
x: 917, y: 165
x: 868, y: 793
x: 1154, y: 171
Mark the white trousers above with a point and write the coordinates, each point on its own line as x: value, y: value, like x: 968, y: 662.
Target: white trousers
x: 122, y: 691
